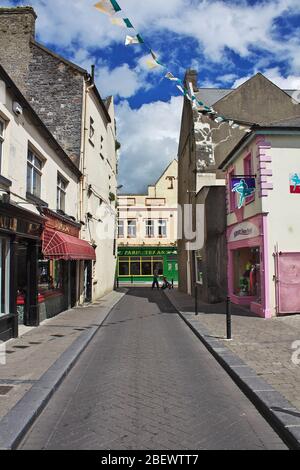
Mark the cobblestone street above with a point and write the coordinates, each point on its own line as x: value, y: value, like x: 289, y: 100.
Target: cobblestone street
x: 265, y: 345
x: 146, y: 382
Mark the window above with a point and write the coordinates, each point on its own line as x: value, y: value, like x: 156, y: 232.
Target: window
x: 50, y: 275
x: 199, y: 267
x: 4, y: 276
x: 120, y: 228
x: 124, y: 266
x: 149, y: 228
x: 248, y: 171
x: 1, y: 141
x: 91, y: 131
x: 61, y: 193
x: 131, y: 228
x: 140, y: 265
x: 34, y: 174
x: 162, y: 228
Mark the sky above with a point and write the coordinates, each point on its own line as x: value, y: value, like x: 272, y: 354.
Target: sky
x: 226, y: 41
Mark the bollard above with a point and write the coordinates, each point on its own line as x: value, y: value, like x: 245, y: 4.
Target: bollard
x: 196, y: 300
x: 228, y: 318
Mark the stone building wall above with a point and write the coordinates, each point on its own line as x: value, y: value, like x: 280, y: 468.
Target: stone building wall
x: 53, y: 86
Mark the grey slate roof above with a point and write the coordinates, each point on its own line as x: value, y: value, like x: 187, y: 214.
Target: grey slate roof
x: 287, y: 122
x: 211, y: 96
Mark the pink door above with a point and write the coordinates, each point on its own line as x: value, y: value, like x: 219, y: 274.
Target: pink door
x: 288, y: 282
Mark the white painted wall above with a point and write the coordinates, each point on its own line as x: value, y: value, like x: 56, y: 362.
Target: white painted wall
x: 100, y: 171
x: 21, y: 132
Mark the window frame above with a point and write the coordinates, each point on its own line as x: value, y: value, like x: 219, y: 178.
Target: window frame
x: 162, y: 223
x: 121, y: 223
x: 150, y: 226
x: 61, y: 192
x: 35, y: 170
x: 129, y: 226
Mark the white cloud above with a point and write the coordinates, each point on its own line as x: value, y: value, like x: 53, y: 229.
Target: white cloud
x: 290, y: 82
x: 149, y: 138
x: 121, y: 81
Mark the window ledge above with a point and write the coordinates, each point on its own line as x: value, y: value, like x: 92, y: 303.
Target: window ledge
x: 36, y: 200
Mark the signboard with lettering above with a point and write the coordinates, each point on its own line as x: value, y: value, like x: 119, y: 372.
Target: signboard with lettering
x: 244, y: 231
x: 146, y: 252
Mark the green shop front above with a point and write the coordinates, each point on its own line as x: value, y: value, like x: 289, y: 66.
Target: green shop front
x: 137, y: 264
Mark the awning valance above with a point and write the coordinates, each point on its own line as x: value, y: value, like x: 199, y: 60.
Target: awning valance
x: 58, y: 245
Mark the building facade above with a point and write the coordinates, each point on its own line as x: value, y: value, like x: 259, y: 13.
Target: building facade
x: 147, y: 231
x: 263, y: 242
x: 39, y: 228
x: 67, y: 100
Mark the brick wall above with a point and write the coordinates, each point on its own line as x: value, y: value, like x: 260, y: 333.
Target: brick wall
x: 53, y: 88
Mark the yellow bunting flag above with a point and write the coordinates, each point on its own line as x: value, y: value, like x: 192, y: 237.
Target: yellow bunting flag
x: 109, y: 7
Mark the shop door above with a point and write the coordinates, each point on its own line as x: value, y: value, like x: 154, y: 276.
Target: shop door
x: 172, y: 268
x: 73, y: 280
x: 288, y: 282
x: 22, y: 282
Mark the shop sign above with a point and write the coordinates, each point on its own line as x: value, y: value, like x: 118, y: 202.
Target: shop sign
x: 61, y: 226
x: 244, y: 187
x: 8, y: 223
x: 138, y: 252
x: 244, y: 231
x: 295, y: 183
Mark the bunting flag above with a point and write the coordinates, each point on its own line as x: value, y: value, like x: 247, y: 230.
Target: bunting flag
x: 133, y: 40
x: 122, y: 22
x: 109, y: 7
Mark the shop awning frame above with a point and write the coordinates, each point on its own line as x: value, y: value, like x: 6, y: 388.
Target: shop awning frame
x: 61, y: 246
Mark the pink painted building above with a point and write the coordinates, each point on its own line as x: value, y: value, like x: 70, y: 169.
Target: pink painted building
x: 263, y: 235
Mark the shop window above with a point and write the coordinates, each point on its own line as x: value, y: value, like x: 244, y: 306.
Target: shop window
x: 131, y: 228
x: 1, y: 142
x: 147, y: 267
x: 4, y: 276
x: 150, y: 228
x: 61, y: 193
x: 135, y: 268
x: 162, y: 228
x: 248, y: 171
x: 34, y: 174
x: 124, y: 266
x: 120, y: 228
x: 246, y: 264
x: 50, y: 275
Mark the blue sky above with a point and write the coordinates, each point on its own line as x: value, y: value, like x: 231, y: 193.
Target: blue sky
x: 225, y: 41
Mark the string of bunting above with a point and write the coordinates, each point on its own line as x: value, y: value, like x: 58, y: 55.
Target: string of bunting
x: 112, y: 8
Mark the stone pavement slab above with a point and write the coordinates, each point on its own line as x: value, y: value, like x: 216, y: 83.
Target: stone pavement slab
x: 263, y: 347
x: 40, y: 358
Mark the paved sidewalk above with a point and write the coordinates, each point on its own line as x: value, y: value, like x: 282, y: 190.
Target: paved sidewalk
x: 30, y: 356
x: 264, y: 345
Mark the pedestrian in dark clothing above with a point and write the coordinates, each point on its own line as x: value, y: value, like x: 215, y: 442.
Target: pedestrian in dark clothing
x: 155, y: 279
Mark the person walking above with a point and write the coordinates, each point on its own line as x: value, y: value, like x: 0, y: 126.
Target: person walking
x: 155, y: 279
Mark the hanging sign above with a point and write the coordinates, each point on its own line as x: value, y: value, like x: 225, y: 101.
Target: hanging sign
x: 295, y: 183
x: 244, y: 187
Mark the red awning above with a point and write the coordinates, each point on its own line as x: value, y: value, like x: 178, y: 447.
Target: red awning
x: 58, y: 245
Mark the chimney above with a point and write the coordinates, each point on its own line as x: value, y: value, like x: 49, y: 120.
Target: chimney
x: 17, y: 29
x: 191, y: 76
x: 17, y: 21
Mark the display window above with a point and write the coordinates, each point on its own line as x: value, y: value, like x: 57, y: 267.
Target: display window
x: 50, y: 276
x: 140, y: 265
x: 247, y: 282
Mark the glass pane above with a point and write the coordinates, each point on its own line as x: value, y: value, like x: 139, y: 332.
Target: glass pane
x: 30, y: 156
x: 0, y: 154
x: 158, y: 267
x: 135, y: 269
x: 37, y: 163
x: 146, y: 268
x: 29, y: 179
x: 135, y: 258
x: 123, y: 268
x: 62, y: 201
x: 124, y: 258
x: 1, y: 128
x: 36, y: 184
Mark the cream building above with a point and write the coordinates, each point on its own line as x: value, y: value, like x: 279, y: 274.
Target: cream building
x: 147, y: 231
